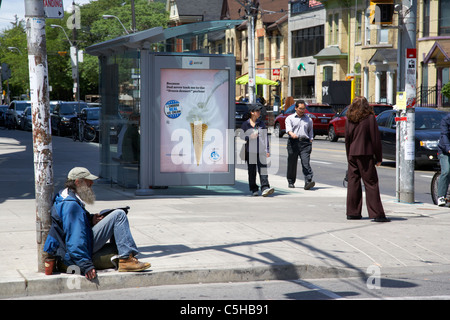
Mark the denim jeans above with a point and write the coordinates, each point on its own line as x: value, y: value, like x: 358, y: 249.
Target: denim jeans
x: 444, y: 179
x: 115, y: 225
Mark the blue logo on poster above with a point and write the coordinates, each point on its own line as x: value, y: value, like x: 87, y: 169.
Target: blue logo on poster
x: 172, y: 109
x: 215, y: 156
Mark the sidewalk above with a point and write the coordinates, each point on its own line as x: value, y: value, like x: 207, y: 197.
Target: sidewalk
x: 221, y: 234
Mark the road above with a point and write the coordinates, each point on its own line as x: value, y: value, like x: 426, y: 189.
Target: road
x: 415, y: 286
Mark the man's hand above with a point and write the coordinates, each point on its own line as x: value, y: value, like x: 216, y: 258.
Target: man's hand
x: 96, y: 218
x: 91, y: 274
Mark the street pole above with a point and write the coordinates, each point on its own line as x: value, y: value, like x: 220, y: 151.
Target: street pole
x: 251, y: 12
x: 406, y: 129
x: 76, y: 72
x: 40, y: 104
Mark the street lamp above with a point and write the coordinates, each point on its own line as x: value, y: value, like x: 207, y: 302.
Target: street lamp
x: 14, y: 48
x: 74, y: 60
x: 109, y: 16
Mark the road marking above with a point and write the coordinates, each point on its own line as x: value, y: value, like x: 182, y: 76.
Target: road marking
x: 321, y: 290
x: 321, y: 162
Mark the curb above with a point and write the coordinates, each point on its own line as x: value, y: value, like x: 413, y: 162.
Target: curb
x: 109, y: 280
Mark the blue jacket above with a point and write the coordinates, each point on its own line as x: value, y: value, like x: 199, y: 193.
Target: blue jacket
x: 70, y: 238
x: 444, y: 140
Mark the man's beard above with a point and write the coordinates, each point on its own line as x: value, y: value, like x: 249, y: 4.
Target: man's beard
x: 86, y: 193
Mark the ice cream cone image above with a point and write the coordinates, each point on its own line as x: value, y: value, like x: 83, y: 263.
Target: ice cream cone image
x: 198, y: 131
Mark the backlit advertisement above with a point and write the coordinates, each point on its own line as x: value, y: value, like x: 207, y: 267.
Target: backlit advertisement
x: 194, y: 115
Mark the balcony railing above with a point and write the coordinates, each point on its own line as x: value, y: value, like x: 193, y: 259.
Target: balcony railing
x: 431, y: 97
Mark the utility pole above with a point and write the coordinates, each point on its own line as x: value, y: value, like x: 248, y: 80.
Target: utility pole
x: 407, y: 83
x: 40, y: 104
x: 251, y: 11
x: 75, y: 66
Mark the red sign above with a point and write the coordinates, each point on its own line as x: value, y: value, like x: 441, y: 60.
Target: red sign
x: 411, y: 53
x: 276, y: 72
x: 400, y: 119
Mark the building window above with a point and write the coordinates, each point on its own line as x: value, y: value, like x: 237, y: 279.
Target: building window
x: 336, y: 28
x: 330, y: 29
x: 327, y: 73
x: 444, y: 17
x: 307, y: 42
x: 426, y: 18
x: 260, y: 48
x: 358, y: 29
x: 303, y: 87
x: 277, y: 47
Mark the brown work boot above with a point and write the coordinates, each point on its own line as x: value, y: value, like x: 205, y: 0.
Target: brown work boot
x: 132, y: 264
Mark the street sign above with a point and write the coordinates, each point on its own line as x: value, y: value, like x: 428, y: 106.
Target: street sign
x: 54, y: 9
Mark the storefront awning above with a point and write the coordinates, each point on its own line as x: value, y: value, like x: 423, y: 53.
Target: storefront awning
x: 384, y: 56
x: 439, y: 52
x: 144, y: 39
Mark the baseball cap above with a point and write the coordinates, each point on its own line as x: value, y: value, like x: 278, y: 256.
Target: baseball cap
x: 80, y: 173
x: 255, y: 107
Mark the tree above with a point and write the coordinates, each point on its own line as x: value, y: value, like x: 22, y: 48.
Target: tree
x: 94, y: 29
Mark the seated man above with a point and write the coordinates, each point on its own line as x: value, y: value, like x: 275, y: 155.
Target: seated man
x: 75, y: 234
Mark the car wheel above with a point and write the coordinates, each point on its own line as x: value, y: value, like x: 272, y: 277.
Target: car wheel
x: 332, y: 134
x: 277, y: 131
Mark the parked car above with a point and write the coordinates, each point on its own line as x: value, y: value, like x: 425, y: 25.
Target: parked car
x: 336, y: 129
x: 14, y: 112
x: 428, y: 128
x: 242, y: 113
x: 62, y: 113
x: 3, y: 109
x: 92, y: 117
x: 321, y: 114
x: 26, y: 123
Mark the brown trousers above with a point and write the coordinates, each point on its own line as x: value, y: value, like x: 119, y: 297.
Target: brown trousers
x: 363, y: 167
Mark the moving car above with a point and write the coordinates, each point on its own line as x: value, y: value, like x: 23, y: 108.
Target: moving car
x: 336, y: 129
x: 428, y: 128
x: 321, y: 114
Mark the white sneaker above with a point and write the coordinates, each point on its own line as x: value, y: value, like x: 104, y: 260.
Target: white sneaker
x: 267, y: 192
x: 441, y: 202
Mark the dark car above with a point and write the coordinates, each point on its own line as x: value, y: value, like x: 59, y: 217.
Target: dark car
x: 92, y: 117
x: 428, y: 128
x: 3, y: 109
x: 14, y: 112
x: 336, y: 129
x: 62, y: 113
x: 25, y: 120
x: 321, y: 114
x: 242, y: 113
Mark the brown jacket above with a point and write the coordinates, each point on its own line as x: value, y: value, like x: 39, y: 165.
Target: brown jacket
x: 363, y: 138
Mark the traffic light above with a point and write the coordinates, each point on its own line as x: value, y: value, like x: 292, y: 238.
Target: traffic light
x: 381, y: 11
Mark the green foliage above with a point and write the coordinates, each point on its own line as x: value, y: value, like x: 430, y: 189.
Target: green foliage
x: 94, y: 29
x: 446, y: 90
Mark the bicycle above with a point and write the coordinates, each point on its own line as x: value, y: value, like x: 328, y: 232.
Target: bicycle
x: 82, y: 131
x: 434, y: 188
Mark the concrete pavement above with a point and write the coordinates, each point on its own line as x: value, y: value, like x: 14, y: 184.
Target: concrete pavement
x: 219, y: 233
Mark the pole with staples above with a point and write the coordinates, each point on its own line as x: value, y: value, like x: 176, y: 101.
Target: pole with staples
x: 40, y: 104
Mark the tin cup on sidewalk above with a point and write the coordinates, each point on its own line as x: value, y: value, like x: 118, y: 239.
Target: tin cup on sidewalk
x: 49, y: 264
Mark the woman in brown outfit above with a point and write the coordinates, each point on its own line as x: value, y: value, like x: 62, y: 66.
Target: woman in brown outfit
x: 363, y: 147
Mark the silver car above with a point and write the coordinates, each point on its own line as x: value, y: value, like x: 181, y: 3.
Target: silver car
x: 14, y: 112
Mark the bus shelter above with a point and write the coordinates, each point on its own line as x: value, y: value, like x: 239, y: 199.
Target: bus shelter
x: 167, y: 118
